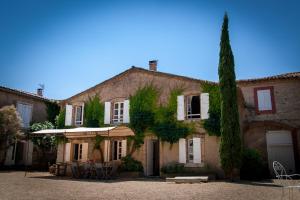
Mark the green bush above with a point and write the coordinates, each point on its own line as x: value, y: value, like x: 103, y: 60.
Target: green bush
x: 173, y: 168
x: 131, y: 165
x: 253, y: 167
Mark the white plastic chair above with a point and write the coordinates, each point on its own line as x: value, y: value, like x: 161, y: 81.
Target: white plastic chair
x: 284, y: 179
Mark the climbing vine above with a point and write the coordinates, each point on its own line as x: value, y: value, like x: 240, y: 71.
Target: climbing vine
x: 212, y: 124
x: 142, y: 111
x: 147, y: 115
x: 94, y: 113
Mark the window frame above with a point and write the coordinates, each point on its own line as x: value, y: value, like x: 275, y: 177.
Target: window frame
x: 79, y: 153
x: 117, y: 155
x: 79, y: 122
x: 188, y: 106
x: 190, y: 148
x: 118, y: 118
x: 271, y: 89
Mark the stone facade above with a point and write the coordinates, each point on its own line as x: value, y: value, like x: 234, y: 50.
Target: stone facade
x: 286, y: 115
x: 39, y: 114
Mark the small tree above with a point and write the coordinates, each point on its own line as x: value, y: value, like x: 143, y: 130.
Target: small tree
x: 230, y: 147
x: 10, y: 125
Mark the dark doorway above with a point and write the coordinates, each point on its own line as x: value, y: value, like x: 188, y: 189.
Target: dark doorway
x: 155, y: 158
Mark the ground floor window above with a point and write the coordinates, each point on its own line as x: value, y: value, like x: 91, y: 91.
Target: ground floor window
x: 77, y: 153
x: 117, y: 149
x: 190, y: 151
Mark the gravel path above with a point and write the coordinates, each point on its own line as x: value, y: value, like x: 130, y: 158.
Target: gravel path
x: 40, y: 185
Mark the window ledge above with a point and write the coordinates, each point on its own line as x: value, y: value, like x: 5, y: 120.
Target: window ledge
x: 194, y: 165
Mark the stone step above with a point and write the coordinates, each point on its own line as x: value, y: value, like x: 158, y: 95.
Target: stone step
x: 188, y: 179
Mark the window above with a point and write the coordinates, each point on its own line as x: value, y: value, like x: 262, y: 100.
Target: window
x: 78, y: 115
x: 190, y: 151
x: 117, y: 150
x: 193, y: 107
x: 264, y: 100
x: 118, y: 112
x: 77, y: 153
x: 25, y: 111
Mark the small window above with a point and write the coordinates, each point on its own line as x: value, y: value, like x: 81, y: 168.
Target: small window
x: 78, y: 115
x: 190, y: 151
x: 193, y: 107
x: 117, y: 150
x: 118, y: 112
x: 77, y: 153
x: 264, y: 100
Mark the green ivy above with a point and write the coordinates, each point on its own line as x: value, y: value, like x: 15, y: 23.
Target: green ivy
x: 60, y: 119
x: 94, y: 113
x: 142, y: 111
x: 52, y: 110
x: 166, y: 125
x: 212, y: 124
x: 146, y: 114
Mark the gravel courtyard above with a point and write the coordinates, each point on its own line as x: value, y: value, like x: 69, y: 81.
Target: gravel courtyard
x: 41, y: 185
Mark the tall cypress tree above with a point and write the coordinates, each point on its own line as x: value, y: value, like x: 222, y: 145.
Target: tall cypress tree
x: 230, y: 147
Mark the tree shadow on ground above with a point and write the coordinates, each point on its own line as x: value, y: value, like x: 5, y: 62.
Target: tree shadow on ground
x: 263, y: 183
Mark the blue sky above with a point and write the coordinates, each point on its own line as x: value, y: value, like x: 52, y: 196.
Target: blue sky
x: 72, y: 45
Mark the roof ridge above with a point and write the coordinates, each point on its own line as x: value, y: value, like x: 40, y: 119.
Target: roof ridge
x: 25, y: 93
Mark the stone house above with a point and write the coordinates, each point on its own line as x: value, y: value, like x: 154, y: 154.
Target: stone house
x: 197, y: 150
x: 32, y: 108
x: 269, y: 117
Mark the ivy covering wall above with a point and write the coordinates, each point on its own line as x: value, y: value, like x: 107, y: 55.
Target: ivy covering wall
x: 93, y: 113
x: 147, y: 115
x: 212, y: 124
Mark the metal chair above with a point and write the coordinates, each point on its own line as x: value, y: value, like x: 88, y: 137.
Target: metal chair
x: 284, y: 179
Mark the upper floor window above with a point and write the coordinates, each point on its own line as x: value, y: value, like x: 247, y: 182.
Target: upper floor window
x: 118, y: 112
x: 193, y: 106
x: 25, y: 111
x: 264, y: 100
x: 78, y: 115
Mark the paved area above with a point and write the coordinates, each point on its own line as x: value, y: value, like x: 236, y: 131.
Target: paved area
x: 40, y: 185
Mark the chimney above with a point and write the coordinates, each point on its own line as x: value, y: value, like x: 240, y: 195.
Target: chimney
x: 153, y: 65
x: 40, y: 92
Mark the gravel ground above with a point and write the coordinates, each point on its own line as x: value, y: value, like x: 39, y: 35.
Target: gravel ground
x: 41, y: 185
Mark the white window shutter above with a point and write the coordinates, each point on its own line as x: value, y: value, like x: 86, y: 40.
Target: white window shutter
x: 68, y: 117
x: 106, y: 152
x: 85, y: 152
x: 180, y: 108
x: 107, y: 112
x: 182, y: 150
x: 264, y: 100
x: 197, y: 150
x: 126, y: 117
x: 124, y: 148
x: 67, y: 152
x: 204, y: 100
x: 82, y: 113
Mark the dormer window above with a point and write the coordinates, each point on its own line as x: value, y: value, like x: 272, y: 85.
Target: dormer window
x: 118, y: 112
x: 193, y: 106
x: 78, y: 115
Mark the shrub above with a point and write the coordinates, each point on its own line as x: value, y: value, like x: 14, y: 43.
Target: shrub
x: 253, y: 167
x: 94, y: 113
x: 131, y: 165
x: 60, y: 119
x: 173, y: 168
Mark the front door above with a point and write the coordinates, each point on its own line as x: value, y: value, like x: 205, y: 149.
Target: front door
x: 152, y: 158
x: 280, y: 148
